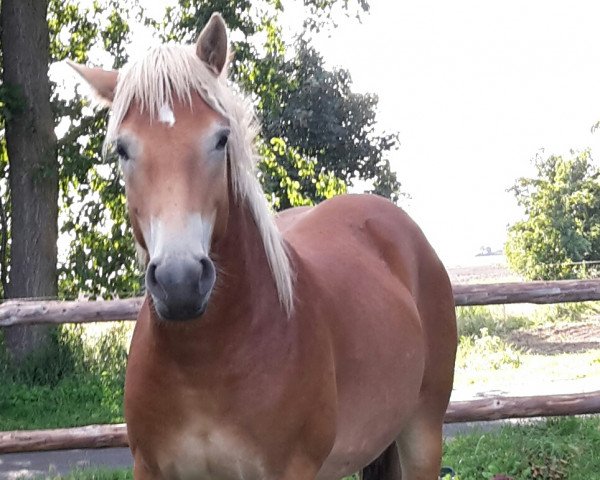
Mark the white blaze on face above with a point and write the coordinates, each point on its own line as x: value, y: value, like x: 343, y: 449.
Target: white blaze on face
x: 166, y: 115
x: 193, y: 238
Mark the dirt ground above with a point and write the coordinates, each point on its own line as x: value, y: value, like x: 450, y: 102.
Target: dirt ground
x: 576, y: 337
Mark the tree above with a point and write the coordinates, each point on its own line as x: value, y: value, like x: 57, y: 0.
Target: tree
x: 560, y: 235
x: 33, y: 169
x: 101, y: 260
x: 318, y: 113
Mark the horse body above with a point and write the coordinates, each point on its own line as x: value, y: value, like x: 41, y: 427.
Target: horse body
x: 246, y: 393
x: 297, y: 351
x: 370, y: 268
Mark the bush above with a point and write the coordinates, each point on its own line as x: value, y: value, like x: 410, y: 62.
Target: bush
x: 485, y: 351
x: 78, y: 380
x: 559, y: 237
x: 567, y: 312
x: 63, y: 357
x: 470, y: 320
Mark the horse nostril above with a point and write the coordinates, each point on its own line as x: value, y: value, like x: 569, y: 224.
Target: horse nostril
x: 207, y: 275
x: 151, y: 273
x: 205, y: 264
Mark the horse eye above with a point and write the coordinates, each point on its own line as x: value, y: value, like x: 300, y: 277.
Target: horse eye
x: 222, y: 141
x: 121, y: 151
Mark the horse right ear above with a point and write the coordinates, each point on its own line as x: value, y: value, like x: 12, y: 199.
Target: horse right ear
x: 104, y: 82
x: 212, y: 45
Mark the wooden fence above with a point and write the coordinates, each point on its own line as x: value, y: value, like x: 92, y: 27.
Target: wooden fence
x: 28, y: 312
x: 18, y: 312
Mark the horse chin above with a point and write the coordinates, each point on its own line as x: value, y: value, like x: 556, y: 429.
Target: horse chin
x: 187, y: 313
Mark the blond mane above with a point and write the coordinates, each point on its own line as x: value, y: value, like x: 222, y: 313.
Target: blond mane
x: 175, y: 71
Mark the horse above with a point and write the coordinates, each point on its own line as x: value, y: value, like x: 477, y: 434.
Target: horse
x: 308, y: 345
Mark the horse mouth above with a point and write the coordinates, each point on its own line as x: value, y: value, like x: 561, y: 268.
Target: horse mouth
x: 181, y: 313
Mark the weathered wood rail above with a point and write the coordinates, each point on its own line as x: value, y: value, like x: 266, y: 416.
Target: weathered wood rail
x: 560, y: 291
x: 25, y: 312
x: 493, y: 408
x: 91, y: 436
x: 29, y: 312
x: 498, y: 408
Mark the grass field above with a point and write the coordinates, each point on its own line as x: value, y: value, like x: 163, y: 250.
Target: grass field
x: 556, y: 449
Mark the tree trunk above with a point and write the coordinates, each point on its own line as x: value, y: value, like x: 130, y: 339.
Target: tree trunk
x: 33, y: 165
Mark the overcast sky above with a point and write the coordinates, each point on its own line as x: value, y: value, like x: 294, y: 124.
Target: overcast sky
x: 476, y: 88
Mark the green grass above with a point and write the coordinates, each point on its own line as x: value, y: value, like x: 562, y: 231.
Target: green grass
x: 556, y: 449
x: 93, y: 474
x: 486, y: 352
x: 77, y: 381
x: 497, y: 319
x: 503, y: 319
x: 70, y: 403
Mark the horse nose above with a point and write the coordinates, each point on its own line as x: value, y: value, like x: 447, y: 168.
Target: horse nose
x: 180, y: 287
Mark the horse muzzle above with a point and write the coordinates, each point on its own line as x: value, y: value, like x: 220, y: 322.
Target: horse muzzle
x: 180, y: 286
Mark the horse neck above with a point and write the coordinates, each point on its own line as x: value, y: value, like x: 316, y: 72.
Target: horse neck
x: 244, y: 291
x: 244, y: 280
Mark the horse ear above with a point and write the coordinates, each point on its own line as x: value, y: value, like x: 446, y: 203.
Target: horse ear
x: 104, y: 82
x: 212, y: 45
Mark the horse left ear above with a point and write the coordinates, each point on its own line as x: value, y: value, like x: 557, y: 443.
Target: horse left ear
x: 212, y: 46
x: 104, y: 82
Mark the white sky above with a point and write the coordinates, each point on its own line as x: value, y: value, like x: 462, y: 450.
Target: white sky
x: 475, y: 88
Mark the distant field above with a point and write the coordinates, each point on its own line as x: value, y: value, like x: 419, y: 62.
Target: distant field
x: 487, y: 269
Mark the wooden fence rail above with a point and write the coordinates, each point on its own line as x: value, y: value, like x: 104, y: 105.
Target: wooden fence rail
x: 497, y: 408
x: 561, y: 291
x: 16, y: 312
x: 92, y: 436
x: 103, y: 436
x: 26, y: 312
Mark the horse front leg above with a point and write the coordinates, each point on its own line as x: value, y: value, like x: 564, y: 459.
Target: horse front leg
x: 141, y: 472
x: 300, y: 468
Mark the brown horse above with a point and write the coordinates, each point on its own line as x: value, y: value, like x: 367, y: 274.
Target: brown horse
x: 290, y: 348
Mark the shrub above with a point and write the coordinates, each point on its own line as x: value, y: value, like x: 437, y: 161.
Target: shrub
x: 485, y: 351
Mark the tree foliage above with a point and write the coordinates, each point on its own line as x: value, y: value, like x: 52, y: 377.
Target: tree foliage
x: 560, y: 235
x: 311, y: 110
x: 318, y: 137
x: 101, y: 257
x: 318, y: 112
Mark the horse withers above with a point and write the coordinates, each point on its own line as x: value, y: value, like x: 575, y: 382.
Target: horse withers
x: 296, y: 347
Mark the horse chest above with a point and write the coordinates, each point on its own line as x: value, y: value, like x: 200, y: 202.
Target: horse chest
x: 199, y: 453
